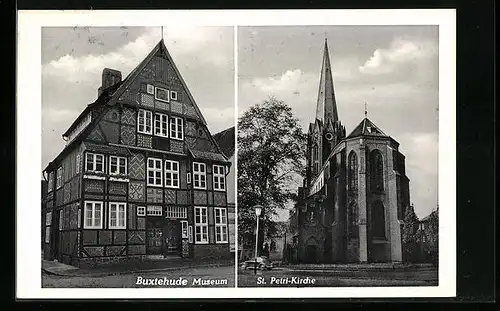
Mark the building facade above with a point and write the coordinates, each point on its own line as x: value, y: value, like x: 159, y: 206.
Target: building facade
x: 140, y: 174
x: 355, y: 192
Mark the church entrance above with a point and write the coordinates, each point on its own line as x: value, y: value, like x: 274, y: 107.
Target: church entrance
x: 311, y: 254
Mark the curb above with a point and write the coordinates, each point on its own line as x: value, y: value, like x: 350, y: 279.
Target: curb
x: 102, y: 274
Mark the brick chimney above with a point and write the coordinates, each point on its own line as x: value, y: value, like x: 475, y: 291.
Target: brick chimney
x: 109, y: 78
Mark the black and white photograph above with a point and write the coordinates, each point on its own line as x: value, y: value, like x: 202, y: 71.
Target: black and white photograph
x: 245, y: 154
x: 338, y: 156
x: 137, y: 151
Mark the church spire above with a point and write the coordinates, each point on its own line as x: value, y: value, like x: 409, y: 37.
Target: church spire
x: 326, y: 106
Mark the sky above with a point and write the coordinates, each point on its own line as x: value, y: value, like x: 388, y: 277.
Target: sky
x: 394, y: 69
x: 73, y: 60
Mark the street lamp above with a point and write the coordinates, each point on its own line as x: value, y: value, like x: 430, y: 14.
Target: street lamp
x: 258, y: 210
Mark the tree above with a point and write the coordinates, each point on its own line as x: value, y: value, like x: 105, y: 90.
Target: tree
x: 271, y: 153
x: 410, y: 227
x: 433, y: 235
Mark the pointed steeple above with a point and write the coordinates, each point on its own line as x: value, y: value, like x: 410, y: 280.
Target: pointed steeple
x: 326, y: 106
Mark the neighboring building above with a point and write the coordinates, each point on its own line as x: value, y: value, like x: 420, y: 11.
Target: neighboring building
x: 227, y: 141
x: 424, y: 252
x: 44, y: 195
x: 355, y: 192
x: 140, y: 174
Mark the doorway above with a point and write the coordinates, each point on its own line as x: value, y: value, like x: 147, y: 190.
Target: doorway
x: 172, y: 234
x: 154, y: 237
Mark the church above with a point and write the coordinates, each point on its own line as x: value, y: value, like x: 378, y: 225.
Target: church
x: 352, y: 201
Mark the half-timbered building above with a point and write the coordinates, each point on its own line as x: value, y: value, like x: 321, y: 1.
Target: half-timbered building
x: 140, y: 174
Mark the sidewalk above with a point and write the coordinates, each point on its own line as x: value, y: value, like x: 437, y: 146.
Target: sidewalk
x: 60, y: 269
x: 358, y: 267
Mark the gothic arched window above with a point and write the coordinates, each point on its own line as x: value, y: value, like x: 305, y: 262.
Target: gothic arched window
x: 376, y: 171
x: 352, y: 220
x: 353, y: 171
x: 315, y: 159
x: 378, y: 220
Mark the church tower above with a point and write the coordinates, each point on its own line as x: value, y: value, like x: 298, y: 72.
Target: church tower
x: 327, y: 130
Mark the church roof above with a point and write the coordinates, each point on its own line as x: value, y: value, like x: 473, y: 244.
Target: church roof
x: 326, y: 107
x: 367, y: 128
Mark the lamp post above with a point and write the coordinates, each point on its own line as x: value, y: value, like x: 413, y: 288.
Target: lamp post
x: 258, y: 210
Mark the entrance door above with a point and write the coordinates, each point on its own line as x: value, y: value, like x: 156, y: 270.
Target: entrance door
x: 311, y: 254
x: 173, y: 242
x: 55, y: 235
x: 154, y: 236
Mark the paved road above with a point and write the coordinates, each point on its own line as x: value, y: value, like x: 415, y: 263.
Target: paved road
x: 218, y: 276
x: 293, y: 278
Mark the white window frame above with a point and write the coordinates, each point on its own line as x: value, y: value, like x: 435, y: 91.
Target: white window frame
x: 157, y: 172
x: 199, y: 177
x: 161, y: 99
x: 94, y: 162
x: 176, y: 128
x: 145, y: 122
x: 201, y: 225
x: 94, y: 206
x: 150, y: 89
x: 141, y: 210
x: 50, y: 183
x: 154, y: 210
x: 118, y: 213
x: 184, y: 229
x: 160, y: 124
x: 47, y: 234
x: 176, y: 212
x: 48, y: 219
x: 172, y: 95
x: 79, y: 218
x: 117, y: 171
x: 190, y: 234
x: 220, y: 215
x: 59, y: 177
x: 188, y: 177
x: 61, y: 220
x: 174, y: 174
x: 219, y: 178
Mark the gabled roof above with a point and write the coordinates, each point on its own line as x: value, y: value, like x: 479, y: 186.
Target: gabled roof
x: 111, y: 95
x: 226, y: 141
x: 367, y: 128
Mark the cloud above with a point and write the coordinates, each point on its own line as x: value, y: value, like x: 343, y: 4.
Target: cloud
x: 400, y: 53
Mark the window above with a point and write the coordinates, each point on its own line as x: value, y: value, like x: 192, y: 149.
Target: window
x: 200, y: 225
x: 117, y: 215
x: 188, y: 177
x: 378, y: 220
x: 220, y: 225
x: 79, y: 218
x: 93, y: 215
x: 59, y: 177
x: 48, y: 218
x: 50, y: 184
x: 145, y: 121
x: 154, y: 211
x: 199, y: 175
x: 173, y: 95
x: 161, y: 94
x: 117, y: 165
x: 61, y: 219
x: 219, y: 177
x: 376, y: 171
x: 184, y: 229
x: 315, y: 159
x: 47, y: 235
x: 352, y: 222
x: 176, y: 128
x: 190, y: 234
x: 161, y: 124
x: 154, y: 172
x: 150, y: 89
x: 175, y: 212
x: 141, y: 211
x: 353, y: 171
x: 171, y: 174
x: 94, y: 163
